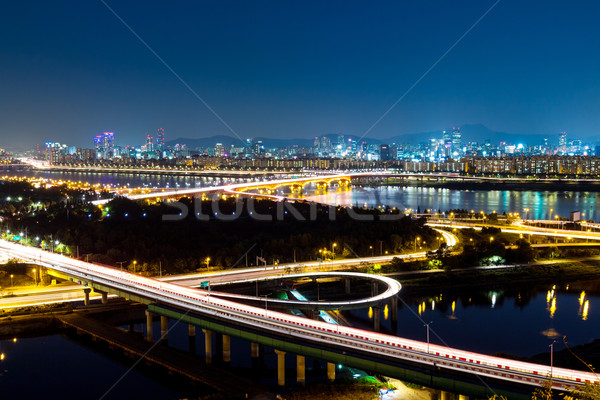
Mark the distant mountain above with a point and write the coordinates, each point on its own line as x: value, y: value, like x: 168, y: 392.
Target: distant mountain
x: 470, y: 133
x: 205, y: 142
x: 475, y: 133
x: 268, y: 142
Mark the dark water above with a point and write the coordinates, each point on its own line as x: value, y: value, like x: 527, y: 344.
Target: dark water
x: 521, y: 321
x: 55, y: 367
x: 541, y: 204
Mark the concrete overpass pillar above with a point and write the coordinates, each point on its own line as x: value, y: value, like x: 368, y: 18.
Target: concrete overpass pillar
x: 226, y: 348
x: 300, y: 370
x: 445, y: 395
x: 86, y: 299
x: 376, y: 318
x: 280, y: 367
x: 164, y: 328
x: 463, y: 397
x: 331, y: 372
x: 347, y: 285
x: 104, y: 297
x: 255, y: 350
x: 374, y: 289
x: 208, y: 345
x: 149, y: 332
x: 394, y: 310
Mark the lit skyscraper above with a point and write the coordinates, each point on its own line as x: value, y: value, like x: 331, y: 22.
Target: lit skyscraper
x: 105, y: 145
x: 160, y: 141
x: 562, y: 139
x: 456, y: 140
x: 149, y: 144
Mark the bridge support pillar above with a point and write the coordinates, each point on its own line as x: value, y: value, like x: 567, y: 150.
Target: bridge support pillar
x: 254, y: 350
x: 226, y: 348
x: 463, y: 397
x: 104, y: 297
x: 164, y: 328
x: 376, y: 318
x: 191, y: 330
x: 280, y: 367
x: 86, y: 299
x: 331, y: 371
x: 149, y: 332
x: 374, y: 289
x: 347, y: 285
x: 208, y: 345
x: 300, y: 370
x: 446, y: 395
x: 394, y: 310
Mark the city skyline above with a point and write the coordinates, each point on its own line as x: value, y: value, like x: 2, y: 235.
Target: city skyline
x: 295, y: 70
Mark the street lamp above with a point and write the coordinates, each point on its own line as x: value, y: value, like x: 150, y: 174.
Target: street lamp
x: 207, y: 263
x: 134, y: 266
x: 11, y: 281
x: 415, y: 246
x: 491, y: 239
x: 427, y: 325
x: 333, y: 247
x: 526, y: 213
x: 551, y: 361
x: 371, y: 247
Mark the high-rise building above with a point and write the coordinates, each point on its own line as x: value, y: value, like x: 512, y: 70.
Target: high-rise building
x: 447, y: 143
x: 220, y: 150
x: 562, y: 139
x: 456, y: 140
x: 160, y: 141
x: 149, y: 143
x: 105, y: 145
x: 384, y: 152
x: 258, y: 148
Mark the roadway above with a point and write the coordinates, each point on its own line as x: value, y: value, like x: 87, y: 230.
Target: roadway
x: 519, y: 229
x: 43, y: 295
x: 63, y: 294
x: 341, y: 338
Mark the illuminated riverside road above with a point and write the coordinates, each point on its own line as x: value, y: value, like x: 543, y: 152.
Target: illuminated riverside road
x: 334, y: 337
x: 64, y: 294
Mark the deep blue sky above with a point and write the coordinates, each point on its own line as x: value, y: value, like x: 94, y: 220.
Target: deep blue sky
x: 70, y: 69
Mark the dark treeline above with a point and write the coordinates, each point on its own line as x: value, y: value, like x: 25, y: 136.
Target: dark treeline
x: 125, y: 231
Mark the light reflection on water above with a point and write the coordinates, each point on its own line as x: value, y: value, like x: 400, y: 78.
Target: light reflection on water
x: 520, y: 321
x: 541, y: 204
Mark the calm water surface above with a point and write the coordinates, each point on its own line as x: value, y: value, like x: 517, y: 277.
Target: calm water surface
x: 55, y: 367
x: 515, y: 320
x: 541, y: 204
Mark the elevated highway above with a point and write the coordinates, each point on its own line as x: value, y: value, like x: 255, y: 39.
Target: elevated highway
x: 348, y: 343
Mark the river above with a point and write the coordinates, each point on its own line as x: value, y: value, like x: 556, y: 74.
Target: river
x: 515, y: 320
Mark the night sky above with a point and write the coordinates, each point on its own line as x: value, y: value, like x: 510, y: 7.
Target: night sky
x: 71, y: 69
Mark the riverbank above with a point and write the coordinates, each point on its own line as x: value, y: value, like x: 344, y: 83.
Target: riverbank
x: 559, y: 273
x: 503, y: 185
